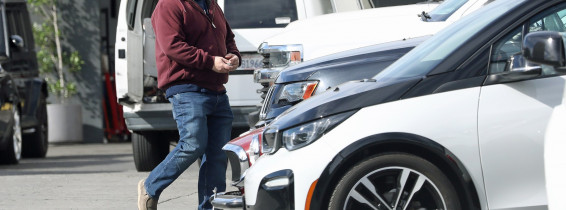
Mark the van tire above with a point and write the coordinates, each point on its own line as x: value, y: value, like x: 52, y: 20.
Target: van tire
x: 149, y: 150
x: 35, y: 144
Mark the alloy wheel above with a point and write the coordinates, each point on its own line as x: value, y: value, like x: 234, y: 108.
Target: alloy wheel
x: 394, y: 188
x: 17, y: 135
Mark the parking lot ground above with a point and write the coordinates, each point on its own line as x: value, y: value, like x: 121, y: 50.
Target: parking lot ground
x: 87, y: 176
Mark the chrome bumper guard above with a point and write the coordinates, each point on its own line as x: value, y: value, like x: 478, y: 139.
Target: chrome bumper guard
x: 228, y: 200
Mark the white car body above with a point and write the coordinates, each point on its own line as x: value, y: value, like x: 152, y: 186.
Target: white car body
x: 332, y: 33
x: 495, y: 128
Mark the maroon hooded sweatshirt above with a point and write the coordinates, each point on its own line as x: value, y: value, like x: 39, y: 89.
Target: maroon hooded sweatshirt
x: 186, y: 41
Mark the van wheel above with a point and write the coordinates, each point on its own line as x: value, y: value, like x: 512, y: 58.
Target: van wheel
x: 35, y: 144
x: 149, y: 150
x: 13, y: 150
x: 394, y: 181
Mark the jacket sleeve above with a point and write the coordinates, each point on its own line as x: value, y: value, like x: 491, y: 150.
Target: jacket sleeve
x: 231, y: 43
x: 167, y: 21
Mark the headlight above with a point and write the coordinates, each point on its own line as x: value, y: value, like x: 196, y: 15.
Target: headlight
x: 283, y: 58
x: 254, y: 151
x: 281, y: 55
x: 269, y: 142
x: 296, y: 92
x: 301, y: 135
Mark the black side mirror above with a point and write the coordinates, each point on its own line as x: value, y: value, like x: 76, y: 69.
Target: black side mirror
x: 17, y: 41
x: 517, y: 69
x: 545, y: 47
x: 518, y: 62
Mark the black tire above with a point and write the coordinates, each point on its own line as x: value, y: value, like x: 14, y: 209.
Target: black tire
x: 35, y: 144
x: 385, y: 173
x: 13, y: 151
x: 149, y: 150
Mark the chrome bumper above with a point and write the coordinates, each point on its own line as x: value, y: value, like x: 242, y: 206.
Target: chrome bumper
x: 228, y: 200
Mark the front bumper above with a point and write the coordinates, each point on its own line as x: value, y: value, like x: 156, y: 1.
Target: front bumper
x: 145, y: 117
x: 275, y: 192
x: 227, y: 200
x: 306, y: 164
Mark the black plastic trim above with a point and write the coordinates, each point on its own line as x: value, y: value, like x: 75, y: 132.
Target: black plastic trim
x: 461, y: 84
x: 242, y: 72
x: 275, y: 198
x: 394, y: 142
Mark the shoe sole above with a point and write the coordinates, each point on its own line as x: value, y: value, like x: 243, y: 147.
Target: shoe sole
x: 140, y: 190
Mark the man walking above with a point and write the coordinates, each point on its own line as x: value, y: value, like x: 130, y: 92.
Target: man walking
x: 195, y: 50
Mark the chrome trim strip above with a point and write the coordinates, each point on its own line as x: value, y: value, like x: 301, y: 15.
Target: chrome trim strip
x: 266, y: 103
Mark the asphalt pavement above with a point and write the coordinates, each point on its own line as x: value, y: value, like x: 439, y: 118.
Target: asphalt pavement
x: 87, y: 176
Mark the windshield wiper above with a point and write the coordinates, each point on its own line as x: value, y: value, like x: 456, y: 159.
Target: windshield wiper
x: 424, y: 16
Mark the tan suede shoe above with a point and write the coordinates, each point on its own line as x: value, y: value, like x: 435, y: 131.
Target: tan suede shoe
x: 144, y: 201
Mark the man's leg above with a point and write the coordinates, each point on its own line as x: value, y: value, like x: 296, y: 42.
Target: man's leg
x: 213, y: 168
x: 191, y: 121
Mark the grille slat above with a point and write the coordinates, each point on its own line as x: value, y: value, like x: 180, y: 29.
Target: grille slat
x: 266, y: 103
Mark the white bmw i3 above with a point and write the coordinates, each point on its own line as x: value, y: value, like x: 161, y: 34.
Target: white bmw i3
x: 460, y: 122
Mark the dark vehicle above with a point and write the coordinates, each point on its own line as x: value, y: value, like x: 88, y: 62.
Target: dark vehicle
x: 299, y: 82
x: 24, y: 92
x: 10, y: 128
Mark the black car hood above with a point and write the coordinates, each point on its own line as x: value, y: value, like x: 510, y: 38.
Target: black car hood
x: 346, y: 97
x: 343, y: 60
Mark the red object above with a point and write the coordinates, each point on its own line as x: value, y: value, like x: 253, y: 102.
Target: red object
x: 245, y: 140
x: 115, y: 125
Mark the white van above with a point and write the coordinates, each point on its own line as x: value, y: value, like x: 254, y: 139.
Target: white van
x: 146, y: 111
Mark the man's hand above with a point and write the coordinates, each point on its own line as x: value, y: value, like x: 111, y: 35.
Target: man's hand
x: 233, y: 60
x: 221, y: 65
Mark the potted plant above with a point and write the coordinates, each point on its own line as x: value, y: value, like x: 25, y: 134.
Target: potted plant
x: 55, y: 64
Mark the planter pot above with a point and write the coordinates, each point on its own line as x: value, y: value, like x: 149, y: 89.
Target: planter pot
x: 65, y: 123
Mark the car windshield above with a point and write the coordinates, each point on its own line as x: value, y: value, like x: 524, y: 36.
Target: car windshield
x: 260, y: 14
x: 425, y: 57
x: 444, y: 10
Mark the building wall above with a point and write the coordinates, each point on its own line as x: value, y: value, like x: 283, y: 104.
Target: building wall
x: 79, y: 22
x: 89, y: 27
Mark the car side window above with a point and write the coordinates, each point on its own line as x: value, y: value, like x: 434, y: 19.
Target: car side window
x: 511, y: 44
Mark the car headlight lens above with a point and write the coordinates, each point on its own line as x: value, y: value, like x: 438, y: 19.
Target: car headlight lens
x: 281, y: 55
x: 254, y: 151
x: 269, y: 142
x: 296, y: 92
x: 301, y: 135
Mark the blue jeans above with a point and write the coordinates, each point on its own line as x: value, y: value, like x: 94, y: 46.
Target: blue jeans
x: 204, y: 120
